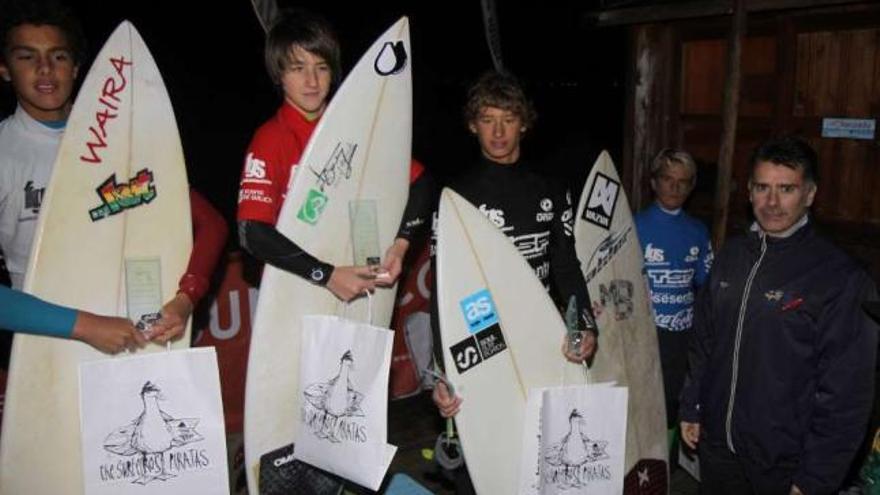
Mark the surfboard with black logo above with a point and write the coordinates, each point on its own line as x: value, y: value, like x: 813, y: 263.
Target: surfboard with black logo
x: 608, y: 248
x: 115, y: 218
x: 360, y: 151
x: 501, y: 335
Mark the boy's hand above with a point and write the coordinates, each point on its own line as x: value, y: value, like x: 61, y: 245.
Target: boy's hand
x: 349, y: 282
x: 108, y: 334
x: 447, y: 404
x: 584, y: 351
x: 393, y: 263
x: 175, y: 313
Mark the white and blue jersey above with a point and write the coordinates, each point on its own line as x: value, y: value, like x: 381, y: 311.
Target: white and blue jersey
x: 678, y: 256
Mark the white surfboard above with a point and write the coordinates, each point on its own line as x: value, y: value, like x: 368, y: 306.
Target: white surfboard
x: 611, y: 258
x: 501, y: 334
x: 360, y: 151
x: 117, y: 206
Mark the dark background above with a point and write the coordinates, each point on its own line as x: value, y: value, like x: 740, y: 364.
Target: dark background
x: 211, y: 61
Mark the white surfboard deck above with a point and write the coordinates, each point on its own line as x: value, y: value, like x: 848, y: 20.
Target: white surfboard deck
x: 80, y: 262
x: 483, y: 280
x: 608, y: 248
x: 361, y: 148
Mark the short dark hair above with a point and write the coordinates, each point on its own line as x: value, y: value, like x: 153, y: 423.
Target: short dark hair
x: 500, y: 90
x: 789, y: 151
x: 307, y: 30
x: 43, y: 13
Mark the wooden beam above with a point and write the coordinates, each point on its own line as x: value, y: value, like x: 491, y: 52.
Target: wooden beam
x: 694, y: 9
x: 650, y: 79
x: 729, y: 113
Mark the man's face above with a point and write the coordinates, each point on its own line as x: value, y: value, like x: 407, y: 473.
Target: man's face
x: 306, y: 81
x: 498, y: 132
x: 780, y: 196
x: 41, y: 67
x: 672, y: 185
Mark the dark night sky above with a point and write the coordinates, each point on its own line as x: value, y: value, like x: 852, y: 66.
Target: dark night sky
x: 211, y: 61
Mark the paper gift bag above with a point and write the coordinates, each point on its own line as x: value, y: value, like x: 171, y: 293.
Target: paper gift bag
x: 574, y: 440
x: 344, y: 369
x: 153, y: 423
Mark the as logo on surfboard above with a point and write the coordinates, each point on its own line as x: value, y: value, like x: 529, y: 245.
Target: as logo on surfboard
x: 479, y: 311
x: 117, y: 198
x: 311, y: 209
x: 477, y: 348
x: 391, y: 59
x: 602, y: 201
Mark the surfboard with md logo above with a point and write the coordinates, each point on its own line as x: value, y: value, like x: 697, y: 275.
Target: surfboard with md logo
x: 608, y: 248
x: 344, y: 206
x: 113, y: 238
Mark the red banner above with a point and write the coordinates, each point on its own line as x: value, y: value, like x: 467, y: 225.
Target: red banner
x: 414, y: 296
x: 229, y: 331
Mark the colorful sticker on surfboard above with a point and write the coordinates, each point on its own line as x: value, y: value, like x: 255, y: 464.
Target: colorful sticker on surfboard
x: 117, y: 198
x: 477, y: 348
x: 602, y: 201
x: 391, y: 59
x: 479, y: 311
x: 311, y: 209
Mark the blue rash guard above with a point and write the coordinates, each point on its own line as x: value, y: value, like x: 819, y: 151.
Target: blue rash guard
x: 678, y: 256
x: 22, y: 312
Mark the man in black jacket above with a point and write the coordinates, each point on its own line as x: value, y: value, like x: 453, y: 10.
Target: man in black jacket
x: 782, y: 357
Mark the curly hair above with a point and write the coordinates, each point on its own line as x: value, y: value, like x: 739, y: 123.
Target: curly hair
x: 500, y: 90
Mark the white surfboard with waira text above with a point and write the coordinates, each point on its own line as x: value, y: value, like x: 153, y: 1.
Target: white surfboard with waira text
x: 113, y: 238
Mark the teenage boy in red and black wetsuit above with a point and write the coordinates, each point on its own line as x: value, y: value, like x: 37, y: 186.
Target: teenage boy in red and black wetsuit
x: 302, y: 58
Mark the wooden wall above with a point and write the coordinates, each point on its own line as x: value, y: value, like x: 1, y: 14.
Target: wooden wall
x: 797, y: 67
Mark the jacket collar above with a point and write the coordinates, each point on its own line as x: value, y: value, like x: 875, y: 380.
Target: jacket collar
x: 798, y: 233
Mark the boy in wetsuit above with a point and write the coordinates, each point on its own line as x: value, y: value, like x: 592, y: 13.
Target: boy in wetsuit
x: 534, y: 212
x: 303, y: 59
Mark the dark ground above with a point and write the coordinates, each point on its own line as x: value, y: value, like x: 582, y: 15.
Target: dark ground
x: 413, y: 425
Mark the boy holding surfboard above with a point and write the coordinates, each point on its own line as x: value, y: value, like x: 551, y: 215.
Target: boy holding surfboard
x: 302, y: 57
x: 42, y: 47
x: 40, y: 57
x: 533, y: 212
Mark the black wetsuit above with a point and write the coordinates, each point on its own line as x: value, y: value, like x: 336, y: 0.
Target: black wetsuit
x: 536, y: 214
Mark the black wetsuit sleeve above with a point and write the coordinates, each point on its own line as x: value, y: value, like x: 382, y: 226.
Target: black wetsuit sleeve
x: 419, y: 205
x: 564, y: 265
x: 268, y: 245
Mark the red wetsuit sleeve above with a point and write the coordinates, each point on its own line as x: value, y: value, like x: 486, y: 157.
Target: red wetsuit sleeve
x: 209, y: 240
x: 415, y: 170
x: 263, y: 178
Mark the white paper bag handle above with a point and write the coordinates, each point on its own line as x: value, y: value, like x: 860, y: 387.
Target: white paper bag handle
x: 588, y: 373
x: 369, y: 307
